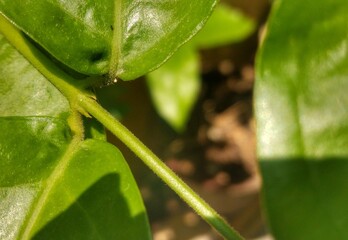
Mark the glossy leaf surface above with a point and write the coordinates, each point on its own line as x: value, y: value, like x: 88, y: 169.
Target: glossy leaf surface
x: 174, y: 87
x: 52, y: 185
x: 122, y: 38
x: 302, y: 119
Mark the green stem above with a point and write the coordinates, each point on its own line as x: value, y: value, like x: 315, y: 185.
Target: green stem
x: 160, y: 169
x: 83, y: 102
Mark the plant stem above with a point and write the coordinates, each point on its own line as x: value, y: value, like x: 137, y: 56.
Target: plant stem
x: 83, y: 102
x: 160, y: 169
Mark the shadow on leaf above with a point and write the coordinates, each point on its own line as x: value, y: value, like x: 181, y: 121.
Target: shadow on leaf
x: 306, y: 198
x: 101, y: 212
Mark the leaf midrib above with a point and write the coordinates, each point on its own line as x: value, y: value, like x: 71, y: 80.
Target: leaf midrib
x: 116, y: 41
x: 51, y: 181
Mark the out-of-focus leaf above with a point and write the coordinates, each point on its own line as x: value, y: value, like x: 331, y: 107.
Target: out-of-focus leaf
x: 225, y: 26
x: 122, y: 38
x: 302, y: 117
x: 52, y: 185
x: 174, y: 87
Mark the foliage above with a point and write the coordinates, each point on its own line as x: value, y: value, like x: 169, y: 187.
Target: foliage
x: 124, y: 39
x: 174, y: 87
x: 53, y: 180
x: 301, y: 111
x: 59, y: 178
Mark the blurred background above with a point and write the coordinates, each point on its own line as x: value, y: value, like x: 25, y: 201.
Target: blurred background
x: 206, y: 135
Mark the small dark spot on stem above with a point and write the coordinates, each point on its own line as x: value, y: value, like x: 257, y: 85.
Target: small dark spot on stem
x: 112, y: 28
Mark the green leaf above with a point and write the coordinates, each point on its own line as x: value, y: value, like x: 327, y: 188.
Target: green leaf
x: 302, y: 117
x: 54, y: 184
x: 174, y: 87
x: 124, y: 39
x: 225, y: 26
x: 108, y: 205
